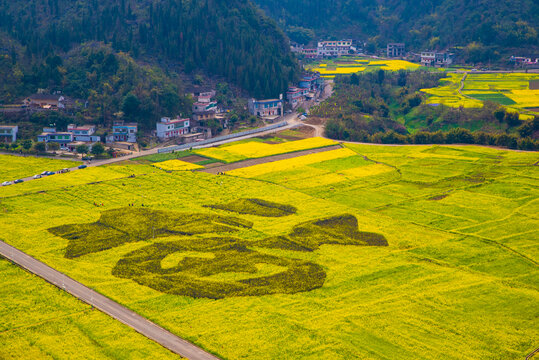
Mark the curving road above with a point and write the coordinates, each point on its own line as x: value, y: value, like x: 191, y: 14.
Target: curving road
x: 106, y: 305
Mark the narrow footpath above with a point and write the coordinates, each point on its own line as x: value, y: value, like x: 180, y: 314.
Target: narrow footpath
x: 106, y: 305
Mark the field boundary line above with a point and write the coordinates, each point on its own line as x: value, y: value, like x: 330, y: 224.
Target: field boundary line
x: 128, y: 317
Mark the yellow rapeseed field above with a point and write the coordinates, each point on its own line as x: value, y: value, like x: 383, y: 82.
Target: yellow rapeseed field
x: 176, y: 165
x: 525, y: 98
x: 288, y: 164
x: 256, y: 149
x: 456, y: 257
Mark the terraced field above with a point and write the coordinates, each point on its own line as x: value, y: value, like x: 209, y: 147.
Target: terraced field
x: 510, y: 89
x: 371, y: 252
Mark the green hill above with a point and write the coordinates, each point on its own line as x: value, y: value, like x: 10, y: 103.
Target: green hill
x: 421, y: 24
x: 231, y: 39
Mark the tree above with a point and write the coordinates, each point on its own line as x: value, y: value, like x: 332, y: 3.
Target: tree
x: 499, y: 114
x: 27, y: 144
x: 82, y: 149
x: 98, y: 149
x: 130, y: 105
x: 40, y: 147
x: 512, y: 119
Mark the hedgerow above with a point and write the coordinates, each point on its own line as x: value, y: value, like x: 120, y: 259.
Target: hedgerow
x: 256, y: 207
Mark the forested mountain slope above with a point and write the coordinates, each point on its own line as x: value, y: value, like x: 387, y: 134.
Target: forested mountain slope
x: 419, y: 23
x: 228, y: 38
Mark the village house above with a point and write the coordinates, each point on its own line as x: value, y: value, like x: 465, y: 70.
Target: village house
x: 266, y: 108
x: 436, y: 59
x: 123, y: 132
x: 200, y: 107
x: 334, y: 48
x: 83, y: 133
x: 312, y: 82
x: 520, y: 60
x: 396, y: 50
x: 45, y: 101
x: 295, y: 96
x: 171, y: 128
x: 8, y: 133
x: 50, y: 135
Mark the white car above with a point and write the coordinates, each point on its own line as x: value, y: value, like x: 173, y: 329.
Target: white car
x: 37, y: 176
x: 6, y: 183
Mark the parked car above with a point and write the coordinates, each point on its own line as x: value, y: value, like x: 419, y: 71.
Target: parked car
x: 18, y: 181
x: 6, y: 183
x: 50, y: 173
x: 44, y: 173
x: 82, y: 166
x: 38, y: 176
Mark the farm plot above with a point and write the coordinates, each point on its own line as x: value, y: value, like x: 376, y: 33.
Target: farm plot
x: 41, y: 321
x: 355, y: 252
x: 16, y: 167
x: 510, y: 89
x: 255, y: 149
x: 330, y: 69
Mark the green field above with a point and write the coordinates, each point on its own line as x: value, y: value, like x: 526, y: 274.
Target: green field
x: 371, y: 252
x: 39, y: 321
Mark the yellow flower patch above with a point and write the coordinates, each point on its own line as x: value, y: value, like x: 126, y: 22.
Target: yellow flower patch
x: 177, y: 165
x: 254, y: 149
x: 289, y: 164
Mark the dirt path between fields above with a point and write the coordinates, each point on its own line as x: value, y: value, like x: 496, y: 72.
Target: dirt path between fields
x: 268, y: 159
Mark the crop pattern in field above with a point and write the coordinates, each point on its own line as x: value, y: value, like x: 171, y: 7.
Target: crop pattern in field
x: 421, y: 252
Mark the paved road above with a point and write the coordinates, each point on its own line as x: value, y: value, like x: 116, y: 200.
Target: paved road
x: 109, y: 307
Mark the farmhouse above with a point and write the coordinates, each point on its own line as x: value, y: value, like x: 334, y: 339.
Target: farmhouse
x: 51, y: 135
x: 123, y: 132
x: 45, y: 101
x: 200, y: 107
x: 83, y: 133
x: 266, y: 108
x: 334, y: 48
x: 170, y: 128
x: 436, y: 59
x: 312, y: 82
x: 8, y: 133
x: 295, y: 96
x: 395, y: 50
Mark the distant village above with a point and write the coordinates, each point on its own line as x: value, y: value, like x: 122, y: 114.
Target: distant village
x: 178, y: 130
x: 181, y: 130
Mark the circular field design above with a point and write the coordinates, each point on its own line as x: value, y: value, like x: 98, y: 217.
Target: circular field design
x: 203, y: 265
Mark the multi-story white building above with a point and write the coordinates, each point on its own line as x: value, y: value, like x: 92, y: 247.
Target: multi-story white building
x: 170, y: 128
x: 83, y: 133
x: 8, y: 133
x: 436, y: 59
x: 266, y: 108
x: 334, y: 48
